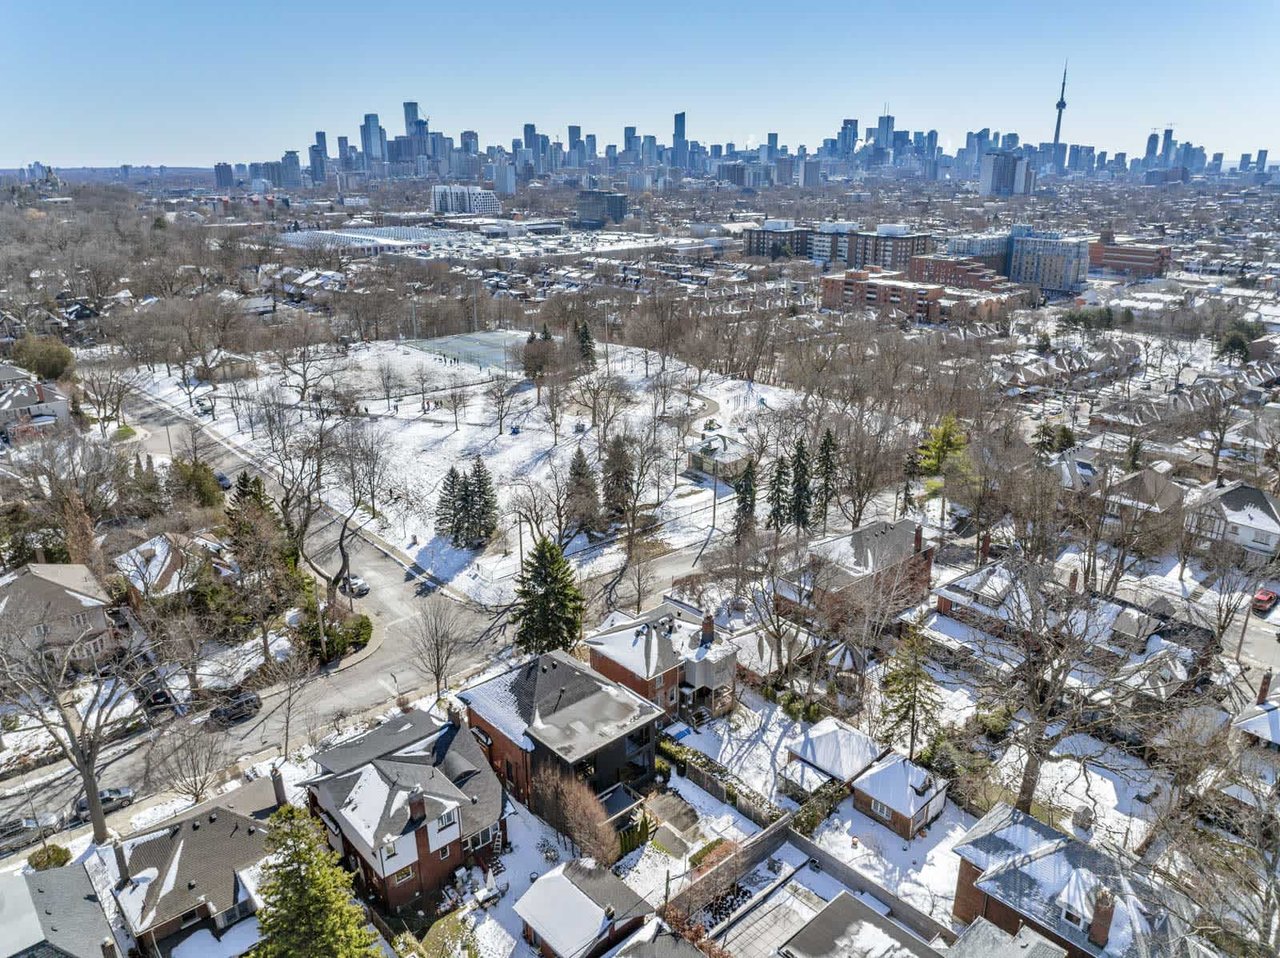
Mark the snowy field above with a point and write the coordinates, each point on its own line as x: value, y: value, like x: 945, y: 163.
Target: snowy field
x: 423, y: 445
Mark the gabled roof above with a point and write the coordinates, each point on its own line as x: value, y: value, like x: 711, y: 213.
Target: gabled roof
x: 900, y: 784
x: 368, y: 782
x: 840, y: 751
x: 847, y: 927
x: 982, y: 939
x: 576, y: 904
x: 52, y: 913
x: 658, y: 639
x: 62, y: 589
x: 1242, y: 504
x: 560, y: 703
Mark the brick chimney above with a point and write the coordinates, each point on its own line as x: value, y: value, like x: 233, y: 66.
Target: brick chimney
x: 417, y: 804
x: 1074, y: 582
x: 1264, y: 687
x: 708, y: 629
x: 109, y: 948
x: 1104, y: 906
x: 122, y: 864
x: 919, y: 538
x: 985, y: 545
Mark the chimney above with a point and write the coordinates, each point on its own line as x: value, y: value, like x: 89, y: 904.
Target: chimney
x: 1074, y: 581
x: 109, y: 949
x: 1221, y: 482
x: 122, y: 864
x: 708, y: 629
x: 1104, y: 906
x: 417, y: 804
x: 457, y: 714
x: 278, y: 789
x: 985, y: 548
x: 919, y: 538
x: 1264, y: 687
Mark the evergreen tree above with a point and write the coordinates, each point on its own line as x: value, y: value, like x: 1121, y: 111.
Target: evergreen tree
x: 1064, y: 439
x: 307, y: 907
x: 779, y: 497
x: 801, y: 491
x: 618, y: 465
x: 945, y: 440
x: 911, y: 701
x: 461, y: 523
x: 482, y: 517
x: 827, y: 474
x: 546, y: 334
x: 1044, y: 438
x: 549, y: 606
x: 586, y: 346
x: 447, y: 505
x: 583, y: 500
x: 744, y: 518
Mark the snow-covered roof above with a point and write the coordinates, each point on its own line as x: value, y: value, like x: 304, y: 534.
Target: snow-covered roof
x: 836, y: 749
x: 576, y: 904
x: 900, y: 784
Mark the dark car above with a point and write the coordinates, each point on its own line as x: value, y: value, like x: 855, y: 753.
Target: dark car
x: 355, y: 585
x: 111, y: 798
x: 223, y: 480
x: 237, y: 708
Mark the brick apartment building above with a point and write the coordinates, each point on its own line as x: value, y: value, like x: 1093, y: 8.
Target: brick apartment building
x: 961, y: 272
x: 1138, y: 260
x: 876, y: 288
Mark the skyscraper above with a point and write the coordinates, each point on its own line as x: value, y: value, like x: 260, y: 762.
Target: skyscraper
x: 344, y: 150
x: 629, y: 138
x: 470, y: 141
x: 1166, y: 148
x: 291, y: 170
x: 222, y: 176
x: 371, y: 139
x: 1153, y: 148
x: 531, y: 137
x: 679, y: 145
x: 410, y: 117
x: 847, y: 140
x: 1057, y: 126
x: 1262, y: 161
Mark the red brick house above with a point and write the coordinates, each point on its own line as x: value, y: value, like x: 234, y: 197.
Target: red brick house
x: 408, y: 803
x: 556, y: 711
x: 579, y: 910
x: 670, y: 655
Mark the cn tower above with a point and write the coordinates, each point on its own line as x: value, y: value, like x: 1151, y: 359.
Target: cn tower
x: 1062, y: 105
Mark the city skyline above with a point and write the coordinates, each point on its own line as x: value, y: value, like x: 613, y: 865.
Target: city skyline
x: 213, y: 104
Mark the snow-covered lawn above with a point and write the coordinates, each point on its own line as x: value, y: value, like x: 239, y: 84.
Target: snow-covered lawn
x: 715, y: 819
x: 1085, y: 771
x: 921, y: 872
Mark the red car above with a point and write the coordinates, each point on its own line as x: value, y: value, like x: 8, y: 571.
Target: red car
x: 1264, y: 600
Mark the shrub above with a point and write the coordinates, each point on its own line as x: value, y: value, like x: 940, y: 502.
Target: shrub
x: 995, y: 722
x: 341, y: 636
x: 730, y: 793
x: 9, y: 722
x: 123, y: 433
x: 698, y: 857
x: 45, y: 356
x: 50, y: 856
x: 818, y: 807
x: 812, y: 712
x: 663, y: 768
x: 672, y: 751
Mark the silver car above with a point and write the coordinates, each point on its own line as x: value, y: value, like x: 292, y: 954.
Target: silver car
x: 18, y: 833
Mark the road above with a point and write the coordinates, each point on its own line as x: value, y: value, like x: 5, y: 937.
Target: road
x: 395, y: 595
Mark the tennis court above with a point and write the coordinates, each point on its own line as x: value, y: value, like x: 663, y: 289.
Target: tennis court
x: 477, y: 350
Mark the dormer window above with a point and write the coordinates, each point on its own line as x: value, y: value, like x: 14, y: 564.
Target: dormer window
x: 447, y: 819
x: 1072, y: 918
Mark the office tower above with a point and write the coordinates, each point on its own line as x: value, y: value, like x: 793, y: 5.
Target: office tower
x: 1153, y: 149
x: 629, y: 143
x: 1246, y: 161
x: 649, y: 150
x: 847, y: 139
x: 773, y: 145
x: 1057, y: 126
x: 531, y: 137
x: 222, y: 176
x: 470, y: 141
x: 344, y: 150
x: 1009, y: 141
x: 291, y: 170
x: 372, y: 140
x: 315, y: 160
x: 931, y: 144
x: 884, y: 132
x: 1166, y: 148
x: 679, y: 145
x: 322, y: 141
x: 590, y: 145
x: 575, y: 137
x: 410, y: 117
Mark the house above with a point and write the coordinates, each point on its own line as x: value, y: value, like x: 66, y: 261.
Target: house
x: 670, y: 655
x: 982, y: 939
x: 53, y: 914
x: 1016, y: 871
x: 900, y: 794
x: 830, y: 751
x: 762, y: 654
x: 1235, y: 512
x: 406, y: 804
x: 26, y: 405
x: 879, y: 565
x: 720, y: 456
x: 848, y: 926
x: 1142, y: 495
x: 557, y: 712
x: 60, y: 605
x: 656, y: 939
x: 171, y: 563
x: 198, y: 872
x: 579, y: 910
x: 13, y: 374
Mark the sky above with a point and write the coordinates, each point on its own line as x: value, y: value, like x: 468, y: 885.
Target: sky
x: 92, y: 83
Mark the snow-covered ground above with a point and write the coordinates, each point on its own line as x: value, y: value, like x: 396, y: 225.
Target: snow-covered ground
x: 422, y: 446
x: 921, y: 872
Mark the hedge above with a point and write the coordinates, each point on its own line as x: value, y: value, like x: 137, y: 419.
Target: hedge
x: 700, y: 855
x: 815, y: 811
x: 50, y: 856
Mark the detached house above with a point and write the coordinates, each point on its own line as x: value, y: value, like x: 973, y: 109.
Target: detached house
x: 1235, y: 512
x: 579, y: 910
x: 60, y: 605
x: 406, y: 804
x: 1016, y: 871
x: 554, y: 711
x: 171, y: 563
x: 26, y: 405
x: 672, y: 656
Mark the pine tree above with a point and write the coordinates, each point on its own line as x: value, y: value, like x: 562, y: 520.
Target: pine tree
x: 618, y: 465
x: 801, y: 491
x: 911, y: 701
x: 464, y: 504
x: 549, y: 606
x: 744, y: 518
x: 307, y: 907
x: 586, y: 346
x: 482, y: 519
x: 945, y: 440
x: 827, y: 474
x: 779, y: 497
x: 546, y: 334
x: 447, y: 505
x: 583, y: 500
x: 1044, y: 438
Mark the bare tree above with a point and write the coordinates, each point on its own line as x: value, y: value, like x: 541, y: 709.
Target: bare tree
x: 457, y: 398
x: 191, y: 759
x: 389, y: 381
x: 106, y: 385
x: 438, y: 639
x: 500, y: 394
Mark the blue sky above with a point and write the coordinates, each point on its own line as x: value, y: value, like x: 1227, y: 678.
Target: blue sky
x: 102, y: 83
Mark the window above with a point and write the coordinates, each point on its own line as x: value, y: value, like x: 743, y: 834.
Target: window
x: 444, y: 853
x: 881, y: 809
x: 1070, y: 916
x: 389, y: 851
x: 481, y: 838
x: 80, y: 620
x: 1261, y: 537
x: 403, y: 875
x: 511, y: 774
x: 40, y: 630
x: 447, y: 819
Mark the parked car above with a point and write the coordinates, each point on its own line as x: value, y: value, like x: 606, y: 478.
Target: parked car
x: 203, y: 406
x: 355, y: 585
x: 237, y: 708
x: 18, y: 833
x: 1264, y: 600
x: 224, y: 481
x: 112, y: 799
